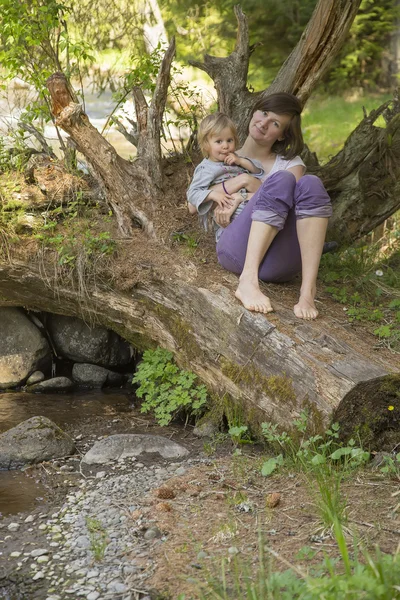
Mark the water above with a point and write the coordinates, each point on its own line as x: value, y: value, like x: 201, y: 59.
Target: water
x: 63, y: 409
x: 20, y: 491
x: 98, y: 109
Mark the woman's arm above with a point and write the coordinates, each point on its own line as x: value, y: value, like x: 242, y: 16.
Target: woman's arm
x: 297, y: 171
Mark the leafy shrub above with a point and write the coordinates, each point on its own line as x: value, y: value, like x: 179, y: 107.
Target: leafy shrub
x: 166, y: 389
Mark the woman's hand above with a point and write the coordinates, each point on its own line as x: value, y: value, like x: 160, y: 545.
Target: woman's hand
x: 223, y: 216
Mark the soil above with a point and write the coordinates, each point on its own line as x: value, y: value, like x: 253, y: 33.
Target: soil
x: 219, y: 509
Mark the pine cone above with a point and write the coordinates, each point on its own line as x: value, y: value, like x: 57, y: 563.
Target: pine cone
x: 165, y: 493
x: 272, y: 500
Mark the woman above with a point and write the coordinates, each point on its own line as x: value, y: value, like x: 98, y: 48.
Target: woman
x: 281, y: 230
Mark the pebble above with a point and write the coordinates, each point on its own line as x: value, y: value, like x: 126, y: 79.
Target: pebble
x: 13, y: 526
x: 39, y: 575
x: 29, y: 519
x: 39, y: 552
x: 152, y: 534
x: 94, y: 514
x: 15, y: 554
x: 42, y: 559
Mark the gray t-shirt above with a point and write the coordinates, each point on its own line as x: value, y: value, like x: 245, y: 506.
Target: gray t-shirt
x: 209, y: 173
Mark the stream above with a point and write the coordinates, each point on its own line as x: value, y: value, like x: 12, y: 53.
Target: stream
x: 20, y: 492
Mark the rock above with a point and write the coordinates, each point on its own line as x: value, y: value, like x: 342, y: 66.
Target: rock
x: 13, y: 527
x: 94, y: 376
x: 39, y: 552
x: 83, y: 541
x: 57, y: 384
x: 152, y: 533
x: 125, y: 445
x: 206, y: 429
x: 15, y: 554
x: 39, y: 575
x: 23, y: 349
x: 33, y: 441
x: 93, y: 596
x: 36, y: 377
x: 75, y: 340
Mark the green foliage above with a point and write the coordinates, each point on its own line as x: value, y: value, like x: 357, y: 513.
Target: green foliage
x: 166, y: 389
x: 240, y: 434
x: 374, y: 577
x: 364, y: 280
x: 98, y: 538
x: 359, y: 63
x: 322, y: 459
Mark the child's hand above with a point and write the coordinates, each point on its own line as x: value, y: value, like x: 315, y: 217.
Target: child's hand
x: 221, y: 199
x: 231, y: 159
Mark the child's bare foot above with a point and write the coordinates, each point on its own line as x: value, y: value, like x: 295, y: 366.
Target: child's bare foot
x: 305, y: 308
x: 252, y: 297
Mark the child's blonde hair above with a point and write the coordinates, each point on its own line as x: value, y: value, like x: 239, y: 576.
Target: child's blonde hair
x: 213, y: 125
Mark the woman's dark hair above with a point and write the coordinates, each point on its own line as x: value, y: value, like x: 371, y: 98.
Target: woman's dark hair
x: 285, y: 104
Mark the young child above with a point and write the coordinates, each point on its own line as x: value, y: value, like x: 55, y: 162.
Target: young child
x: 218, y: 139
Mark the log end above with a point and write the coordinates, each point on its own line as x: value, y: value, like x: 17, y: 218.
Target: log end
x: 370, y: 413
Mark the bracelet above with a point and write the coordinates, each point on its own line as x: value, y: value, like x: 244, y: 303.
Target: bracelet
x: 224, y: 188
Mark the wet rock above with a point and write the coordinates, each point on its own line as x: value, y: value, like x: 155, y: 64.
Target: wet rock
x: 57, y: 384
x: 33, y: 441
x: 23, y: 349
x: 75, y: 340
x: 94, y: 376
x: 125, y: 445
x: 36, y: 377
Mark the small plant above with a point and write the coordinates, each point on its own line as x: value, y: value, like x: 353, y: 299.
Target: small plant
x: 98, y: 539
x: 166, y: 389
x: 322, y: 459
x: 240, y: 435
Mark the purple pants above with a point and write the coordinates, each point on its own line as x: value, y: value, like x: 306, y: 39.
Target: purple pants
x: 280, y: 201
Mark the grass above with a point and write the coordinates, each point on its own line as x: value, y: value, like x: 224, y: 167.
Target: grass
x: 365, y: 279
x: 329, y: 120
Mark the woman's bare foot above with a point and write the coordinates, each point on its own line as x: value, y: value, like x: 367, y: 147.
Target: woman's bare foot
x: 305, y: 308
x: 252, y: 297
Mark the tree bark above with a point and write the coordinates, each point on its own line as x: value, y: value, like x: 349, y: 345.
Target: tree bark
x: 363, y: 179
x: 241, y: 356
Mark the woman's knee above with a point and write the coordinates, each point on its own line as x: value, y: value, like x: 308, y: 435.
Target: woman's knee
x: 311, y: 198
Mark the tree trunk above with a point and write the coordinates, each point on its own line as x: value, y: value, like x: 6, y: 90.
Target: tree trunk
x: 363, y: 179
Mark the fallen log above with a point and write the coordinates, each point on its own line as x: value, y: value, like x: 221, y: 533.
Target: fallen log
x: 272, y: 367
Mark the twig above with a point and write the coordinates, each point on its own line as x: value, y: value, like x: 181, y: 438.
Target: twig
x: 365, y: 524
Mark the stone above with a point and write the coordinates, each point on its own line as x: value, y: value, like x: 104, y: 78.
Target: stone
x: 152, y: 533
x: 13, y: 527
x: 23, y: 349
x: 36, y: 377
x: 87, y: 375
x: 56, y: 384
x: 39, y: 552
x: 93, y: 596
x: 42, y: 559
x: 15, y: 554
x: 126, y: 445
x: 206, y: 429
x: 75, y: 340
x: 29, y: 519
x: 33, y: 441
x: 82, y: 541
x: 39, y: 575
